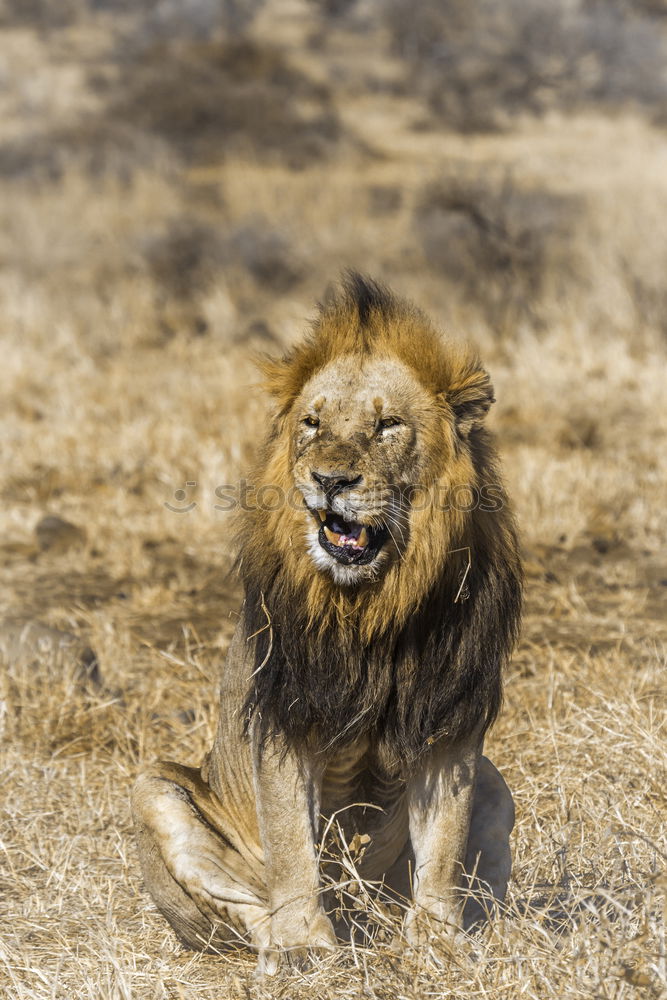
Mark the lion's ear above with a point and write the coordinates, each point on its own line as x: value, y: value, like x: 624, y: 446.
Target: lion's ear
x: 470, y: 396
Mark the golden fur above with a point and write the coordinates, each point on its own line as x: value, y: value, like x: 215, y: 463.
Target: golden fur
x: 364, y: 675
x: 455, y: 379
x: 450, y: 393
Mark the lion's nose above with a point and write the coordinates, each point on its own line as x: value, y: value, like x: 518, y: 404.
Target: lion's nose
x: 335, y: 482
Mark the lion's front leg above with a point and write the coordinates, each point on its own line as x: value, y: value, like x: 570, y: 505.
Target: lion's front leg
x: 288, y: 792
x: 440, y: 798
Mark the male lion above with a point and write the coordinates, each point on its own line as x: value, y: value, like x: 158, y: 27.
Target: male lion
x: 366, y: 666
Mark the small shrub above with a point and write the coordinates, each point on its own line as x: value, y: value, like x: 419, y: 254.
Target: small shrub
x: 151, y: 18
x: 480, y: 64
x: 40, y: 13
x: 185, y: 259
x: 188, y: 19
x: 97, y: 147
x: 266, y: 254
x: 218, y: 98
x: 499, y: 245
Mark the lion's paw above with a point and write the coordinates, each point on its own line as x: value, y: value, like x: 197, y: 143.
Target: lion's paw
x: 295, y: 942
x: 436, y: 927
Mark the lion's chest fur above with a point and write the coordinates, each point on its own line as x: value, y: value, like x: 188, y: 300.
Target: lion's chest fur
x: 359, y: 797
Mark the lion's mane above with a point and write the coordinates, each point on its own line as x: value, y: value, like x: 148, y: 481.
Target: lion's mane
x: 400, y: 659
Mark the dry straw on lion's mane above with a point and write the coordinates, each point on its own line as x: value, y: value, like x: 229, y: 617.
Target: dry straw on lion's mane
x: 400, y: 658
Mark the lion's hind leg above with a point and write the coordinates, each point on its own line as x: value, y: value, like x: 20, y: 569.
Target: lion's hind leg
x: 194, y: 874
x: 488, y: 861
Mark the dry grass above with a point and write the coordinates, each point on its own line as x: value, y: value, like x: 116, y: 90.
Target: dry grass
x: 134, y: 287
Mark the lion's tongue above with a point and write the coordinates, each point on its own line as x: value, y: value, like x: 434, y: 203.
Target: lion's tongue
x: 340, y: 539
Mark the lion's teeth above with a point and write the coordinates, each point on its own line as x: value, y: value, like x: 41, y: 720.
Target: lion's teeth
x: 333, y: 537
x: 341, y: 540
x: 322, y: 515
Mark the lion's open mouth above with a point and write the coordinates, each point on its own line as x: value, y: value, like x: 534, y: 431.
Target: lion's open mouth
x: 350, y: 542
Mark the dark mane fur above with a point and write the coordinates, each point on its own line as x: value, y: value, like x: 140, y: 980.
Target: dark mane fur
x: 367, y: 296
x: 438, y: 675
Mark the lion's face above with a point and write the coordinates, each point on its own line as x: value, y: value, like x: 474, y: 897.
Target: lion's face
x: 362, y: 435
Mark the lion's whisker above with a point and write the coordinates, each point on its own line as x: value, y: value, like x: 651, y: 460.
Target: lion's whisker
x: 400, y: 518
x: 398, y: 549
x: 398, y: 528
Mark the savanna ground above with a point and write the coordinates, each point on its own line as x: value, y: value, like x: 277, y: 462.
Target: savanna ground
x: 179, y: 184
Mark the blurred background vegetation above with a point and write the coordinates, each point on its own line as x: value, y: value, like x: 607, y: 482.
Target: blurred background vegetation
x: 189, y: 175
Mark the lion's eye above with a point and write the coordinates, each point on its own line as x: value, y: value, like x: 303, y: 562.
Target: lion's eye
x: 387, y: 422
x: 311, y: 421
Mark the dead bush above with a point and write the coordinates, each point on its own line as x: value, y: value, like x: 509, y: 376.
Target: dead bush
x: 152, y: 18
x: 499, y: 244
x: 186, y: 19
x: 266, y: 254
x: 185, y: 259
x: 219, y: 98
x: 40, y: 13
x: 652, y: 8
x: 96, y: 147
x: 481, y: 64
